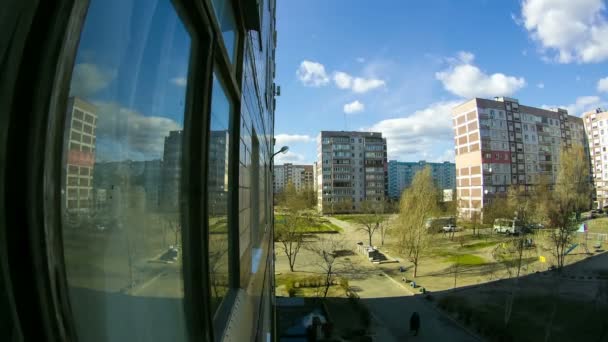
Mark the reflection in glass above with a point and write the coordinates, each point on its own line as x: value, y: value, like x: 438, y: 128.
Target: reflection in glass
x: 122, y: 166
x: 225, y: 17
x: 218, y: 192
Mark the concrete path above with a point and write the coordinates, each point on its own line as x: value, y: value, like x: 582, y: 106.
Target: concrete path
x: 391, y: 304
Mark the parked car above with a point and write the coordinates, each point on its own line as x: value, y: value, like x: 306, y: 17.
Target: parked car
x: 508, y: 226
x: 449, y: 228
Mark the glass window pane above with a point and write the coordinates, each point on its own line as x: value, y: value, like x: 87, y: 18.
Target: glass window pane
x: 225, y: 17
x: 218, y: 192
x: 120, y: 188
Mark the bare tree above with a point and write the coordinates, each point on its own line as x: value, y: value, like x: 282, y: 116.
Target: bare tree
x: 289, y: 233
x: 418, y: 203
x: 327, y: 249
x: 174, y: 225
x: 384, y: 228
x: 372, y: 219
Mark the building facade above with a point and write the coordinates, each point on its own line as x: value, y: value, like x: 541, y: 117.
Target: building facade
x: 186, y: 110
x: 351, y: 168
x: 596, y: 128
x: 401, y: 174
x: 80, y: 140
x: 301, y: 176
x: 500, y: 143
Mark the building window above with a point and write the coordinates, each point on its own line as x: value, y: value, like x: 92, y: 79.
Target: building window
x: 116, y: 236
x: 225, y: 17
x: 218, y: 187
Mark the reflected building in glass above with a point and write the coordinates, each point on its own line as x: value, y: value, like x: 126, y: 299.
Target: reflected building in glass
x: 79, y: 143
x: 170, y: 176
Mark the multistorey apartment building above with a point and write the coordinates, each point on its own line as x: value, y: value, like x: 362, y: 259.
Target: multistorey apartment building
x: 596, y: 127
x: 80, y: 142
x: 300, y: 176
x: 401, y: 174
x: 500, y: 143
x: 351, y: 168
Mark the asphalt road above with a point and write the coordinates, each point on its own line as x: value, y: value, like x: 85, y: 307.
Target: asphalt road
x: 392, y: 304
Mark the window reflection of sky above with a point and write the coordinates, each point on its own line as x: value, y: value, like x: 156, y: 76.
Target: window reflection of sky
x: 132, y: 64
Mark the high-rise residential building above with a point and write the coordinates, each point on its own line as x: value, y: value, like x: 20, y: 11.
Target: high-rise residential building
x: 596, y: 127
x: 500, y: 143
x: 401, y: 174
x: 301, y: 176
x: 81, y: 122
x: 171, y: 170
x: 351, y: 168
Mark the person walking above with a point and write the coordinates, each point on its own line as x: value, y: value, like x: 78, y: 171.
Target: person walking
x: 415, y: 323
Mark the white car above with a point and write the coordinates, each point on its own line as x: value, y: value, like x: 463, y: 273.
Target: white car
x: 449, y: 228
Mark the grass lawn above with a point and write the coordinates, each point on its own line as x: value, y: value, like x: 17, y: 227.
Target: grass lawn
x: 480, y: 245
x: 319, y: 225
x: 598, y: 225
x: 466, y: 260
x: 352, y: 217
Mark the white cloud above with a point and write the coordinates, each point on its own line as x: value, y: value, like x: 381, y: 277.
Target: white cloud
x: 88, y: 79
x: 289, y: 157
x: 286, y: 139
x: 541, y: 85
x: 356, y: 84
x: 343, y: 80
x: 123, y: 133
x: 581, y: 105
x: 448, y: 155
x: 179, y: 81
x: 360, y: 59
x: 575, y: 30
x: 419, y: 133
x: 464, y: 79
x: 354, y: 107
x: 363, y: 85
x: 602, y: 85
x: 312, y: 74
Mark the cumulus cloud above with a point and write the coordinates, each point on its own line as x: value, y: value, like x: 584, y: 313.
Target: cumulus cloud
x: 356, y: 84
x: 88, y: 79
x: 541, y: 85
x: 124, y: 133
x: 418, y: 133
x: 581, y: 105
x: 574, y: 31
x: 312, y: 74
x: 354, y: 107
x: 464, y: 79
x: 179, y: 81
x: 602, y: 85
x: 343, y: 80
x: 289, y: 157
x: 286, y: 139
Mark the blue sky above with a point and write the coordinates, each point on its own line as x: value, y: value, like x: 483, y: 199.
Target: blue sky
x: 134, y: 71
x: 399, y: 66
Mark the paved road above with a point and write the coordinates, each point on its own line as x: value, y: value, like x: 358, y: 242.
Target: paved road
x: 391, y: 304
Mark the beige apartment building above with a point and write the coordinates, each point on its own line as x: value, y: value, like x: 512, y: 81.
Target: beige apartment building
x: 596, y: 127
x: 79, y: 143
x: 500, y: 143
x: 301, y: 176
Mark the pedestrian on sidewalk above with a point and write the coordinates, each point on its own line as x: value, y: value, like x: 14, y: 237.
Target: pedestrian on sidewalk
x: 415, y: 323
